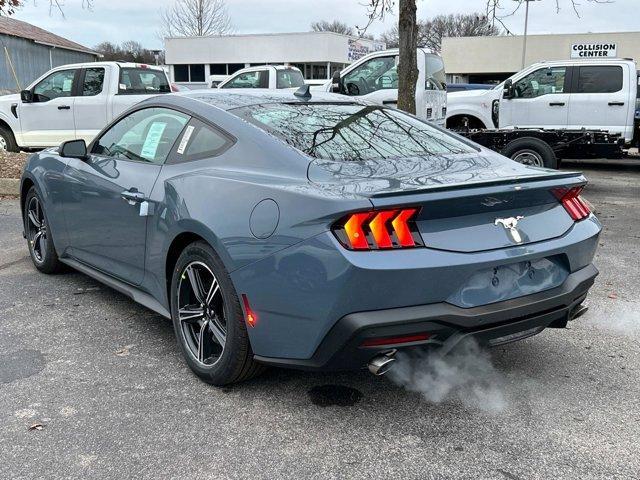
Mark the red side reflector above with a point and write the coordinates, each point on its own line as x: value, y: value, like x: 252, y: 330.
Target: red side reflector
x: 378, y: 342
x: 572, y: 202
x: 251, y: 316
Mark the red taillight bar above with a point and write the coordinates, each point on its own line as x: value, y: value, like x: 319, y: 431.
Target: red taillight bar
x: 379, y: 230
x: 572, y: 202
x: 379, y: 342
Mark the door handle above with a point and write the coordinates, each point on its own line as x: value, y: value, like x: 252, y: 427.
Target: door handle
x: 556, y: 104
x: 132, y: 196
x: 64, y: 107
x: 616, y: 104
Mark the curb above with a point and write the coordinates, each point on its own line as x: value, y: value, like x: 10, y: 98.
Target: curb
x: 10, y: 186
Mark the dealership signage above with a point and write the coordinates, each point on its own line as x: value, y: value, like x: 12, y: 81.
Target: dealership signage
x: 358, y: 49
x: 594, y: 50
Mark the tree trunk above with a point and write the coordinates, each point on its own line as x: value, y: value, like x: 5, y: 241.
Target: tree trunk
x: 407, y: 66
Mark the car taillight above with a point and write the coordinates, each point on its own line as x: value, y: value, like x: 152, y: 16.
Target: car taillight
x: 575, y: 206
x: 379, y: 230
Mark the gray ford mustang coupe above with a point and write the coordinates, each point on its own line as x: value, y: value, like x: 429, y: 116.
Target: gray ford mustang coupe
x: 312, y: 232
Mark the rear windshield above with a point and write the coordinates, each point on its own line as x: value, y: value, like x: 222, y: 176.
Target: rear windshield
x: 351, y: 132
x: 289, y: 78
x: 142, y: 81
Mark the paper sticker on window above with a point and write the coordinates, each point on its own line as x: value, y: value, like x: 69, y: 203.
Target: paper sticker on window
x: 185, y: 139
x: 66, y: 84
x: 153, y: 140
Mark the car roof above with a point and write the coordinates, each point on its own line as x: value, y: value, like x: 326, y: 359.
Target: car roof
x: 228, y: 99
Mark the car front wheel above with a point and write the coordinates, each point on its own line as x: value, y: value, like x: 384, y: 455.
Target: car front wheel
x: 208, y: 320
x: 39, y: 240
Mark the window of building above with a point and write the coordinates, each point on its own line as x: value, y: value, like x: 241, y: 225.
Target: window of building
x: 196, y: 73
x: 234, y: 67
x: 181, y: 73
x: 600, y: 79
x: 218, y: 68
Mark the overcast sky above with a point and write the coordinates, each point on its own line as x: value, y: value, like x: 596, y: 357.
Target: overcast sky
x: 120, y: 20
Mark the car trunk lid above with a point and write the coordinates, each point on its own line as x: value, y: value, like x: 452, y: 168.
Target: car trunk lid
x: 467, y: 203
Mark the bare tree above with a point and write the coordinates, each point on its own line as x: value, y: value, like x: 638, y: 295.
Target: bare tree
x: 431, y: 32
x: 196, y: 18
x: 407, y: 42
x: 130, y: 51
x: 336, y: 26
x: 8, y: 7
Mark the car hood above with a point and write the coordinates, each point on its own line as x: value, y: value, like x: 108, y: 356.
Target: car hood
x: 406, y: 175
x: 11, y: 98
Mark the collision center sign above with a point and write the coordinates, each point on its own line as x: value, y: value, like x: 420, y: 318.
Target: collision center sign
x: 594, y: 50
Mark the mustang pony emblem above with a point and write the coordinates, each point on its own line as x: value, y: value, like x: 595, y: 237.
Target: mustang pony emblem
x: 510, y: 224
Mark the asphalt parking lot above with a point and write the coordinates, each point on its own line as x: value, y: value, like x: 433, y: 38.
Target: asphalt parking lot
x: 103, y: 380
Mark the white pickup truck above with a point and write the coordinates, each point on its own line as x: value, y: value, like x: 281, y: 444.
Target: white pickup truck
x: 75, y: 102
x: 560, y: 95
x: 374, y: 77
x: 271, y: 77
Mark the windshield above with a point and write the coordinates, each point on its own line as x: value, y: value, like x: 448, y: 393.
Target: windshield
x: 289, y: 78
x: 142, y: 81
x: 351, y: 132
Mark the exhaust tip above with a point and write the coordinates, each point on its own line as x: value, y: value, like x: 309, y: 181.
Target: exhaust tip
x: 579, y: 311
x: 381, y: 364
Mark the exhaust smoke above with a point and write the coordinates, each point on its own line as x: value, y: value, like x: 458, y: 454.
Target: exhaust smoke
x: 466, y: 373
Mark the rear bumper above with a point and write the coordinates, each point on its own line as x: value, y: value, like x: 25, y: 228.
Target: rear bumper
x: 493, y: 324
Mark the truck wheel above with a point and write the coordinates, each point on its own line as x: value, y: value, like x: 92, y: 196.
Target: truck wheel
x: 7, y: 141
x: 531, y: 151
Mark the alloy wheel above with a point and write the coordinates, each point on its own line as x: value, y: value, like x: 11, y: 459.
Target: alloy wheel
x: 3, y: 144
x: 37, y: 229
x: 529, y: 157
x: 201, y: 313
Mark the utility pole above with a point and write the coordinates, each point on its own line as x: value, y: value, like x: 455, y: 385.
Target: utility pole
x: 526, y: 26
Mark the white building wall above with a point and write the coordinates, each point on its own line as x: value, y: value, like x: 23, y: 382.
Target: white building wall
x: 263, y: 48
x: 479, y: 55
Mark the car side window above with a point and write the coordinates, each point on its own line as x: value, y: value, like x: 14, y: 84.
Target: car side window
x: 93, y: 82
x: 146, y: 135
x: 600, y: 79
x: 377, y: 74
x: 58, y: 84
x: 257, y: 79
x: 545, y: 81
x: 200, y: 140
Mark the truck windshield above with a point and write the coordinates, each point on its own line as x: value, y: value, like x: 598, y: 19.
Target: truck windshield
x: 351, y: 132
x: 142, y: 81
x: 289, y: 78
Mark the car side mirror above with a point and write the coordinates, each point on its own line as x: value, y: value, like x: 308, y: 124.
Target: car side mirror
x: 336, y: 82
x: 508, y: 89
x: 26, y: 96
x: 74, y: 149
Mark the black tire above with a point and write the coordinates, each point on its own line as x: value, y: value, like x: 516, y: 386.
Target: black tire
x: 7, y: 140
x: 235, y: 361
x: 531, y: 151
x: 39, y: 239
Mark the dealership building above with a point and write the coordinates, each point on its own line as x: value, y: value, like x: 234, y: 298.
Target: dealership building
x: 493, y: 59
x: 318, y: 54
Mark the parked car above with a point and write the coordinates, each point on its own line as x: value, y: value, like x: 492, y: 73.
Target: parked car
x: 374, y: 77
x: 75, y: 101
x: 272, y: 77
x: 461, y: 87
x: 568, y: 94
x: 316, y: 232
